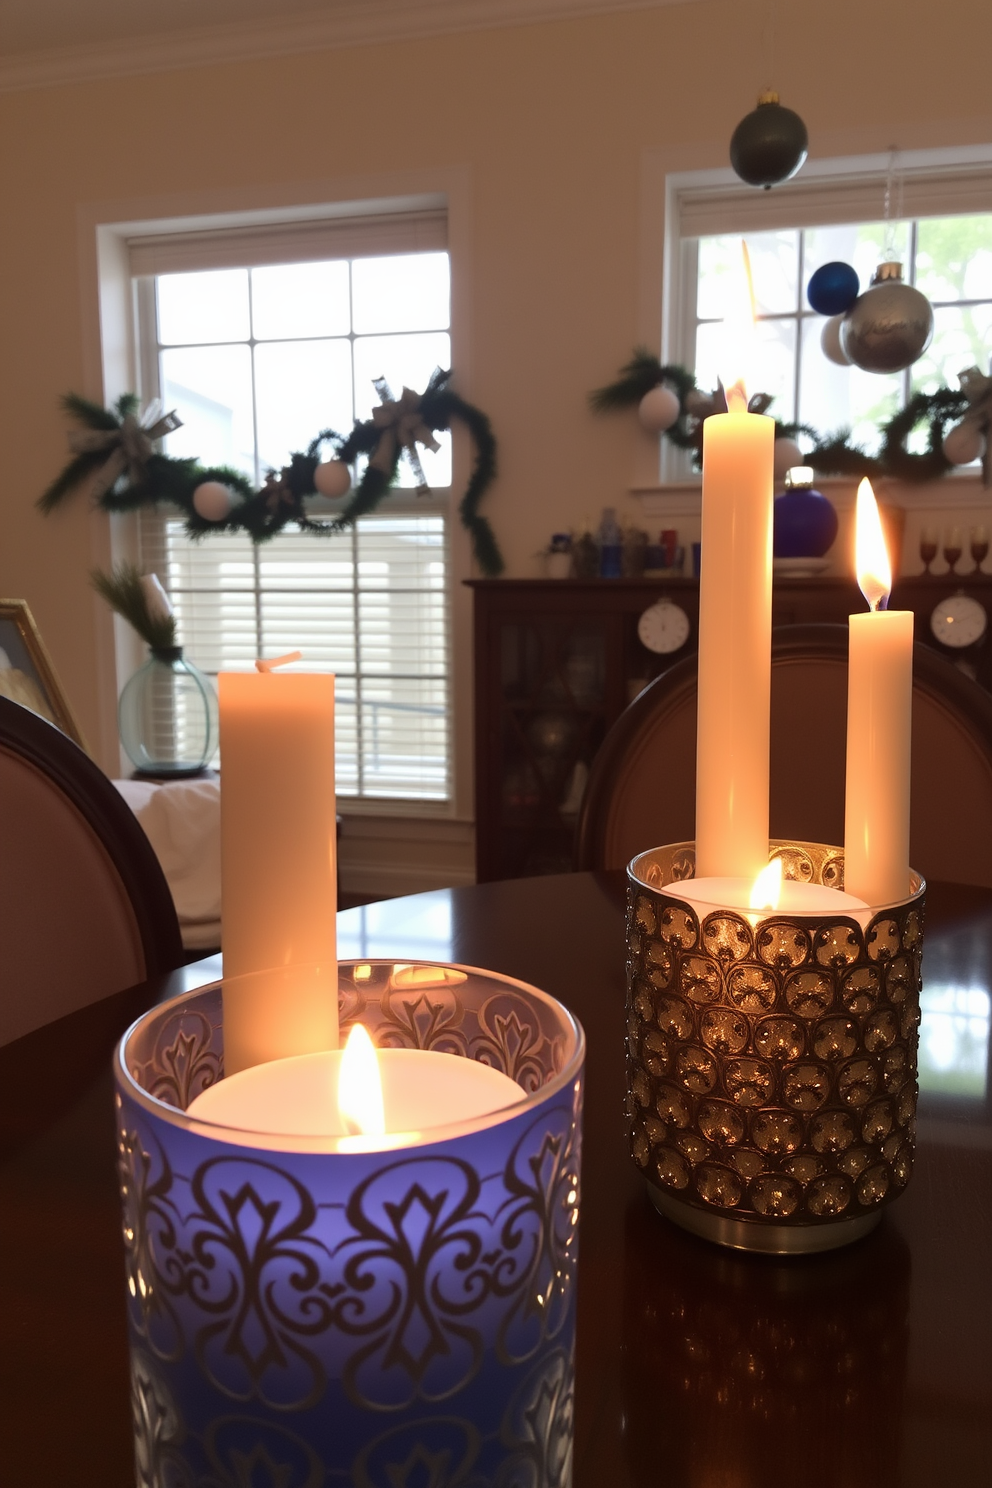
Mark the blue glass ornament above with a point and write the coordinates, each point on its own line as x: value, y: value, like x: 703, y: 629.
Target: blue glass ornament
x: 833, y: 288
x: 804, y: 521
x: 335, y: 1314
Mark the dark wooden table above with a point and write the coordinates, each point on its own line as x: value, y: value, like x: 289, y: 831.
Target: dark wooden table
x: 867, y: 1368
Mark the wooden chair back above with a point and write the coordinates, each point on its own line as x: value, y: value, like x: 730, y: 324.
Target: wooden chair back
x: 642, y: 787
x: 85, y: 910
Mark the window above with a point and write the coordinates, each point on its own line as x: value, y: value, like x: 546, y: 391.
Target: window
x: 948, y: 258
x: 257, y: 355
x: 939, y: 228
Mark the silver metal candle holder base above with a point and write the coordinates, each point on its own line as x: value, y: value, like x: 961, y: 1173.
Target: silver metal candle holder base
x: 771, y: 1068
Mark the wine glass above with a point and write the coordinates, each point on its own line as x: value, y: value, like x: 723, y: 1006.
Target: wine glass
x: 929, y: 542
x: 953, y: 547
x: 979, y: 546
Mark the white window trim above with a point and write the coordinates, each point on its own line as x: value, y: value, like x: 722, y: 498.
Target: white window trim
x: 935, y: 182
x: 105, y: 230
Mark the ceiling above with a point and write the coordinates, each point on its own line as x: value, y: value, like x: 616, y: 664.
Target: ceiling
x: 51, y: 41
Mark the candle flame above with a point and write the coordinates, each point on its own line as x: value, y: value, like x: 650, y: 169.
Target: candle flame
x: 767, y: 889
x: 871, y: 556
x: 360, y: 1087
x: 738, y: 334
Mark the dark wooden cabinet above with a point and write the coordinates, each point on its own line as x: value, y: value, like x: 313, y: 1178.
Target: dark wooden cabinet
x: 556, y: 663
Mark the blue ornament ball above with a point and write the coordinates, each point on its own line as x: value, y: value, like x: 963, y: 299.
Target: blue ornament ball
x: 833, y: 289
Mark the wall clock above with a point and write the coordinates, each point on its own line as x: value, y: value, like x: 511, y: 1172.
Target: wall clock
x: 959, y: 622
x: 663, y: 627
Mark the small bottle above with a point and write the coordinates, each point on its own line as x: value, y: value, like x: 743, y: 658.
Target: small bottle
x: 610, y: 543
x: 585, y: 554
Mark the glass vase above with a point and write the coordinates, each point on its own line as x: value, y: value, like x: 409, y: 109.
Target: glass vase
x: 167, y: 716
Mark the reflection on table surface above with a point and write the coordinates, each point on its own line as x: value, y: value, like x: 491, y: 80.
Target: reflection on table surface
x: 957, y: 1009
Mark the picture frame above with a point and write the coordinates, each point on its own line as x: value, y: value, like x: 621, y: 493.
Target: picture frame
x: 27, y: 675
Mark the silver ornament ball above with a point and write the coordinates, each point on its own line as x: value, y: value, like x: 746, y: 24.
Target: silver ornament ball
x: 332, y: 478
x: 659, y: 409
x: 213, y: 501
x: 888, y: 327
x: 787, y: 455
x: 963, y: 443
x: 830, y: 341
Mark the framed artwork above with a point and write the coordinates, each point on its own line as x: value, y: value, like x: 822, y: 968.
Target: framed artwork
x: 26, y: 672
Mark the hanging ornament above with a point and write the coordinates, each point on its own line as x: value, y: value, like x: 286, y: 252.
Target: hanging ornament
x: 213, y: 501
x: 659, y: 409
x: 787, y: 456
x: 971, y: 439
x: 769, y: 145
x: 830, y: 341
x: 833, y: 288
x: 889, y: 327
x: 332, y: 478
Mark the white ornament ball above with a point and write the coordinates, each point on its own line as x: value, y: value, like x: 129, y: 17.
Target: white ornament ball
x: 659, y: 409
x: 213, y: 501
x: 963, y: 443
x: 332, y: 478
x: 830, y: 341
x: 787, y: 454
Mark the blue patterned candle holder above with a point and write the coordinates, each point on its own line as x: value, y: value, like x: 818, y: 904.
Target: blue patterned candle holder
x: 304, y: 1315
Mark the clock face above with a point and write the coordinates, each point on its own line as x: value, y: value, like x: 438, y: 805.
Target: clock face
x: 664, y: 627
x: 959, y: 621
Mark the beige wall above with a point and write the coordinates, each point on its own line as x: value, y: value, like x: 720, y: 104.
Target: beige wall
x: 548, y: 125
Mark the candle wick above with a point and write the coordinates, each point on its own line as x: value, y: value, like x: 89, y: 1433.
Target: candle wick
x: 277, y: 661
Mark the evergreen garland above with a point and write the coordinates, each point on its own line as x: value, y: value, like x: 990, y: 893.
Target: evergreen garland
x: 116, y: 456
x: 832, y: 455
x: 123, y: 590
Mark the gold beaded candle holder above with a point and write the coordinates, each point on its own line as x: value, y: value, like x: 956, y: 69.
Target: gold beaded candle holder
x: 771, y: 1059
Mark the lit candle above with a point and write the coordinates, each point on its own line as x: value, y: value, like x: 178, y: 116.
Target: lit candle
x: 278, y: 862
x: 367, y: 1098
x: 879, y: 725
x: 768, y: 893
x: 735, y: 620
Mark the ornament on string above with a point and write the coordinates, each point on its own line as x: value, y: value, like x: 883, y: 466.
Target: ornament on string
x: 659, y: 409
x: 332, y: 478
x: 213, y: 501
x: 890, y: 326
x: 833, y: 288
x: 787, y: 456
x: 971, y: 439
x: 830, y: 341
x: 770, y: 144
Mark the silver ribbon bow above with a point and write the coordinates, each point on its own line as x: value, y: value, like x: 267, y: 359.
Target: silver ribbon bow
x: 402, y: 429
x: 129, y: 446
x: 977, y: 388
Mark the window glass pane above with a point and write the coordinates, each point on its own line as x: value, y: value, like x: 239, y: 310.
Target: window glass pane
x: 834, y: 398
x: 210, y: 389
x: 193, y: 308
x: 962, y: 338
x: 404, y: 361
x: 407, y: 292
x: 301, y: 387
x: 771, y: 361
x: 304, y: 299
x: 774, y: 268
x: 954, y: 257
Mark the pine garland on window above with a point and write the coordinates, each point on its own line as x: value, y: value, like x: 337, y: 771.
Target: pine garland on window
x: 115, y: 455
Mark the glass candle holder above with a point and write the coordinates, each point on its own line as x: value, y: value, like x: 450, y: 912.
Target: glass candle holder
x: 771, y: 1057
x: 313, y: 1314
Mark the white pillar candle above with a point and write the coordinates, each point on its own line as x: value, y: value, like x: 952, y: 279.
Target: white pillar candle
x: 709, y: 894
x: 278, y: 862
x: 735, y: 623
x: 298, y: 1097
x: 879, y: 725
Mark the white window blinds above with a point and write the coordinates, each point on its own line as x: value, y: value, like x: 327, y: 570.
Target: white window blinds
x: 369, y: 604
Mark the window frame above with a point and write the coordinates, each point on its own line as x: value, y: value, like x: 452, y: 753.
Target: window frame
x: 240, y: 250
x: 926, y: 183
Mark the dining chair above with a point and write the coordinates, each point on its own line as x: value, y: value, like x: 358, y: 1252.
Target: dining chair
x: 642, y: 786
x: 85, y: 910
